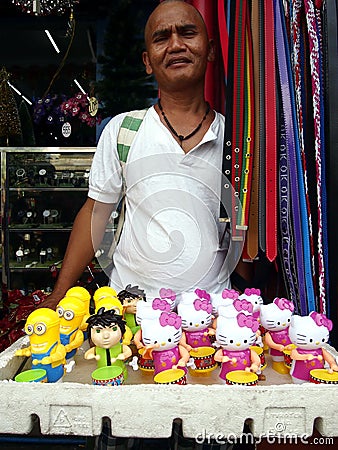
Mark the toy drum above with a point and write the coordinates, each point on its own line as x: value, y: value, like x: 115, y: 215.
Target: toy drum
x: 204, y: 360
x: 108, y: 376
x: 241, y: 378
x: 260, y: 353
x: 322, y: 376
x: 145, y: 364
x: 32, y: 376
x: 171, y: 376
x: 287, y: 356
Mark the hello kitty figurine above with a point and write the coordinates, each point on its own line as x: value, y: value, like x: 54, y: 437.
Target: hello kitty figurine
x: 169, y: 296
x: 226, y: 297
x: 148, y: 310
x: 161, y: 337
x: 276, y: 318
x: 236, y: 335
x: 309, y: 333
x: 253, y: 296
x: 196, y: 321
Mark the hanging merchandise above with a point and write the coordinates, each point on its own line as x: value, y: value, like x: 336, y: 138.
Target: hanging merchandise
x: 45, y: 7
x: 274, y: 57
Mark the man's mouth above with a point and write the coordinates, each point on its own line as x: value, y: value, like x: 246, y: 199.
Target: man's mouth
x: 178, y: 61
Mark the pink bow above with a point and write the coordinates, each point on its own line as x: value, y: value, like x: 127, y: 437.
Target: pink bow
x: 283, y: 303
x: 247, y: 321
x: 230, y: 293
x: 202, y: 294
x: 170, y: 319
x: 243, y: 305
x: 252, y: 291
x: 160, y: 304
x: 321, y: 320
x: 167, y: 293
x: 203, y: 305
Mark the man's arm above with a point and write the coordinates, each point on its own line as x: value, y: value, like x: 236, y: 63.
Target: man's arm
x: 87, y: 233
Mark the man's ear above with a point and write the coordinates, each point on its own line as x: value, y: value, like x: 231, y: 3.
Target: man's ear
x: 211, y: 54
x: 146, y: 62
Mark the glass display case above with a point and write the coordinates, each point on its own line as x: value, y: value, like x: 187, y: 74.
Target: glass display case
x: 42, y: 191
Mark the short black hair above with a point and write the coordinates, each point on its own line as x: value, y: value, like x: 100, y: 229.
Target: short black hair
x: 131, y: 291
x: 106, y: 318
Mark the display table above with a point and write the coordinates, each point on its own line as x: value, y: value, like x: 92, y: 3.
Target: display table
x: 141, y: 408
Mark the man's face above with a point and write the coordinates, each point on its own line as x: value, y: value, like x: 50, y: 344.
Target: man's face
x: 105, y: 337
x: 178, y: 47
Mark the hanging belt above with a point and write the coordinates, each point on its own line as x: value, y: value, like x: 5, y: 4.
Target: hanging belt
x: 252, y: 235
x: 295, y: 175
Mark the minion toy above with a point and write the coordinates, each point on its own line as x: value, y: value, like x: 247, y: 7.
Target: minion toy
x: 43, y: 328
x: 113, y: 303
x: 71, y: 312
x: 103, y: 292
x: 82, y: 294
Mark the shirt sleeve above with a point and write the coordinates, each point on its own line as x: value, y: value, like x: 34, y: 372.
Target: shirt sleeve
x: 105, y: 179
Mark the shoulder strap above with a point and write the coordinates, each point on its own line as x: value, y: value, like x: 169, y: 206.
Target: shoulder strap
x: 129, y: 127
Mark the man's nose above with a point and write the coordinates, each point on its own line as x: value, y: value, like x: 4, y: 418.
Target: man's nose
x: 175, y: 42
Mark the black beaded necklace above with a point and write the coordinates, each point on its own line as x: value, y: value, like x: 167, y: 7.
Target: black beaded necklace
x: 172, y: 129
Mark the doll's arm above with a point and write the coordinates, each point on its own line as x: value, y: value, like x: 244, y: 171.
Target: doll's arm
x: 84, y: 324
x: 23, y: 351
x: 128, y: 336
x: 76, y: 342
x: 219, y: 357
x: 271, y: 343
x: 57, y: 356
x: 255, y: 362
x: 91, y: 354
x: 138, y: 339
x: 183, y: 342
x: 210, y: 332
x: 330, y: 360
x: 184, y: 356
x: 126, y: 352
x: 304, y: 357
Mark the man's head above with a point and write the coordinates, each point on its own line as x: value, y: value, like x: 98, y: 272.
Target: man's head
x: 177, y: 45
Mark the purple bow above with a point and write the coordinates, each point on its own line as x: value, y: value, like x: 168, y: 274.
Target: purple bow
x: 170, y: 319
x: 203, y: 305
x: 252, y: 291
x: 202, y: 294
x: 321, y: 320
x: 230, y: 293
x: 247, y: 321
x: 161, y: 304
x: 283, y: 303
x: 243, y: 305
x: 167, y: 293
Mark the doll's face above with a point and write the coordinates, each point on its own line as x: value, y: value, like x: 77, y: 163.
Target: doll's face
x: 231, y: 336
x: 193, y: 320
x: 305, y: 334
x: 129, y: 304
x: 105, y: 337
x: 275, y: 319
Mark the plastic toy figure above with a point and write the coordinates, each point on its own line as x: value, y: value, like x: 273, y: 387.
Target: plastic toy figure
x: 113, y: 303
x: 82, y: 294
x: 43, y: 328
x: 106, y: 330
x: 309, y: 334
x: 161, y: 338
x: 196, y: 321
x: 71, y: 312
x: 236, y: 335
x: 129, y: 298
x: 276, y: 318
x: 102, y: 292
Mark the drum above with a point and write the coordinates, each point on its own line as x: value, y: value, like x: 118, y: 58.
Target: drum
x: 145, y: 364
x: 108, y: 376
x: 32, y: 376
x: 260, y: 352
x: 322, y: 376
x: 171, y: 376
x: 241, y: 378
x: 204, y: 360
x: 287, y: 356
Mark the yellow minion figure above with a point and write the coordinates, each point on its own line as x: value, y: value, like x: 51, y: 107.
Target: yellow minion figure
x: 113, y: 303
x: 82, y: 294
x: 43, y: 328
x: 71, y: 312
x: 103, y: 292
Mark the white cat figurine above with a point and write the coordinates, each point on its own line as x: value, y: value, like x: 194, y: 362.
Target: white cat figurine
x: 309, y: 333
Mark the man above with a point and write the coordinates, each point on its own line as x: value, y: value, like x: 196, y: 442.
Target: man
x: 171, y: 235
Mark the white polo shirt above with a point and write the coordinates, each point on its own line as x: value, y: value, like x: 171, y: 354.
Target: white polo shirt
x: 171, y: 235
